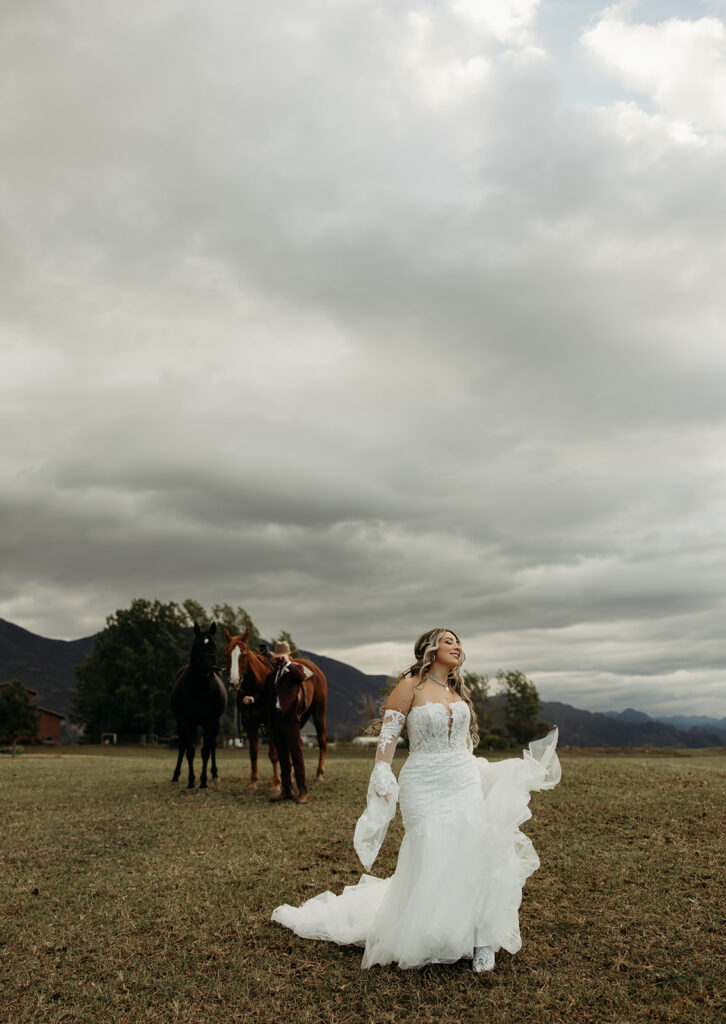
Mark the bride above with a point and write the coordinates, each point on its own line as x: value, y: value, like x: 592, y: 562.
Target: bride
x: 458, y: 882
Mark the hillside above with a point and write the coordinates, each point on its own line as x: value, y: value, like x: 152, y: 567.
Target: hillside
x: 686, y: 723
x: 48, y: 666
x: 590, y: 729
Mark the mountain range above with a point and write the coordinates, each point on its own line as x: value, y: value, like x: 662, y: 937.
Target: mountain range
x: 48, y: 666
x: 679, y: 721
x: 593, y: 729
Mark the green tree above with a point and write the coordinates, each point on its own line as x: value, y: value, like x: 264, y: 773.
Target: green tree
x: 284, y: 637
x: 195, y: 612
x: 478, y: 687
x: 236, y: 621
x: 521, y: 705
x: 125, y: 683
x: 18, y: 715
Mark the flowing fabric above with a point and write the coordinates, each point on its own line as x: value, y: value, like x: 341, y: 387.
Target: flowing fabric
x: 463, y: 860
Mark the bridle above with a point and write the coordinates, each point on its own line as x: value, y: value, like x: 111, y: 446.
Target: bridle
x: 204, y: 665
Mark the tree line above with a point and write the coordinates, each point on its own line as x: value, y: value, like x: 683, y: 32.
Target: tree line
x: 507, y: 709
x: 124, y: 684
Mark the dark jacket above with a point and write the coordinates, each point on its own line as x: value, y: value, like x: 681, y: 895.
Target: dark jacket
x: 288, y: 691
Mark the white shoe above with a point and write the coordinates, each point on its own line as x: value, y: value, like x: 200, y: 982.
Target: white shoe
x: 483, y: 959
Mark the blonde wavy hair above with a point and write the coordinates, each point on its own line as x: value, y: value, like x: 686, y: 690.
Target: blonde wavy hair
x: 424, y: 651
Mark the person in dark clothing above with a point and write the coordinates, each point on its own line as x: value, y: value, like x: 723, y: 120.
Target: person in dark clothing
x: 283, y: 696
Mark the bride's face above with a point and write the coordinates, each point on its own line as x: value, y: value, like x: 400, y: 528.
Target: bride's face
x: 449, y: 652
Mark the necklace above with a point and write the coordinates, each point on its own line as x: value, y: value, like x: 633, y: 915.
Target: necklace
x: 438, y: 682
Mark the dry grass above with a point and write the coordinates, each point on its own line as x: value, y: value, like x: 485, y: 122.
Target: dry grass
x: 127, y: 900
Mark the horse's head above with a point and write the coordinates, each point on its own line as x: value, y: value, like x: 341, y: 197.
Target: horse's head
x: 236, y: 658
x: 204, y: 650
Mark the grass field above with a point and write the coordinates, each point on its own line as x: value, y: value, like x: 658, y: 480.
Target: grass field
x: 125, y: 899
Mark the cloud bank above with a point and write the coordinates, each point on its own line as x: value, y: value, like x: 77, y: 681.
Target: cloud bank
x: 371, y: 318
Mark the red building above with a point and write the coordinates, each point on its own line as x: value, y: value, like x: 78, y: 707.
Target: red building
x: 50, y: 723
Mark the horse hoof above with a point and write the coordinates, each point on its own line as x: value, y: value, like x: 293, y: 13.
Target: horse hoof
x: 318, y: 778
x: 252, y: 786
x: 173, y: 781
x: 275, y: 791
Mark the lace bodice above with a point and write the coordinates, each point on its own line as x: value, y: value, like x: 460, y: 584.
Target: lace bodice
x: 431, y: 732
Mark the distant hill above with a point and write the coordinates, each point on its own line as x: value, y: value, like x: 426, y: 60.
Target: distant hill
x: 687, y: 723
x: 592, y: 729
x: 629, y: 715
x: 48, y: 666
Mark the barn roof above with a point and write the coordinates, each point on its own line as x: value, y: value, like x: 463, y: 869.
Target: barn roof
x: 48, y: 711
x: 33, y: 693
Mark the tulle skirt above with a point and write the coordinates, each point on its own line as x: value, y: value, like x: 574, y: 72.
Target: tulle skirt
x: 460, y: 870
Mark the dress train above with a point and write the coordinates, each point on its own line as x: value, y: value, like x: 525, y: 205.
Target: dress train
x: 463, y: 860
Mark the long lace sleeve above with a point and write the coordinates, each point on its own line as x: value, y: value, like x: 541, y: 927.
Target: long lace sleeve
x: 370, y: 831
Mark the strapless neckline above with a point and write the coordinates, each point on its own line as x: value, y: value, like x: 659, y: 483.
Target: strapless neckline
x: 441, y: 703
x: 452, y: 721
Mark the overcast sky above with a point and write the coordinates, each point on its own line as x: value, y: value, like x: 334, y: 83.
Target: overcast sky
x: 370, y: 317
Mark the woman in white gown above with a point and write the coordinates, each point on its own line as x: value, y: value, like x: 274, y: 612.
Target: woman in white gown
x: 458, y: 882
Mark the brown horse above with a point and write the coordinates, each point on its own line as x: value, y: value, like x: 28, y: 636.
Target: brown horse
x: 247, y: 671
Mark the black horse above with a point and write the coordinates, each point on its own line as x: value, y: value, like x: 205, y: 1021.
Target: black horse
x: 199, y: 697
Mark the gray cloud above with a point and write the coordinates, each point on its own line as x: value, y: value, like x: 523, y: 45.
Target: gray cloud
x: 365, y: 319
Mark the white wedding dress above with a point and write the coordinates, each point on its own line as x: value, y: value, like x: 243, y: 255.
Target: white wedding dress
x: 463, y: 861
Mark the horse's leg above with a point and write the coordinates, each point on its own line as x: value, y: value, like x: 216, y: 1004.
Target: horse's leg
x: 322, y: 733
x: 253, y: 736
x: 190, y: 737
x: 215, y: 730
x: 180, y: 757
x: 206, y: 740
